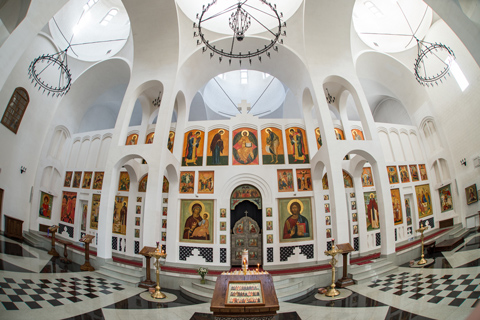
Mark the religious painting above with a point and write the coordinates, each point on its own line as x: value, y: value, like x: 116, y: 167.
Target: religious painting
x: 120, y: 215
x: 87, y: 180
x: 138, y: 209
x: 171, y: 141
x: 272, y: 142
x: 371, y: 210
x: 164, y: 211
x: 46, y: 201
x: 392, y: 174
x: 223, y: 239
x: 414, y: 172
x: 137, y: 221
x: 165, y: 200
x: 347, y: 180
x: 137, y: 233
x: 408, y: 211
x: 68, y: 179
x: 164, y: 223
x: 269, y: 212
x: 139, y: 199
x: 77, y: 177
x: 355, y: 229
x: 397, y: 206
x: 285, y: 180
x: 326, y: 197
x: 223, y: 213
x: 245, y: 191
x: 124, y: 181
x: 339, y: 134
x: 424, y: 201
x: 295, y: 218
x: 423, y: 172
x: 239, y: 228
x: 95, y: 211
x: 245, y: 147
x: 223, y: 226
x: 69, y: 201
x: 352, y: 194
x: 166, y: 185
x: 187, y: 181
x: 404, y: 176
x: 325, y: 182
x: 357, y: 134
x: 132, y: 140
x: 205, y: 181
x: 84, y: 207
x: 252, y: 228
x: 327, y: 208
x: 98, y: 181
x: 446, y: 201
x: 297, y: 145
x: 304, y: 180
x: 367, y: 177
x: 354, y: 217
x: 328, y: 233
x: 149, y: 138
x: 239, y: 242
x: 252, y: 242
x: 328, y: 220
x: 318, y: 136
x: 142, y: 185
x: 217, y: 147
x: 196, y: 221
x: 269, y: 225
x: 353, y: 205
x: 193, y: 148
x: 471, y: 193
x: 269, y: 238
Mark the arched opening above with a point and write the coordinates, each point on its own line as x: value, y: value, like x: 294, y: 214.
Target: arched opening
x: 246, y: 225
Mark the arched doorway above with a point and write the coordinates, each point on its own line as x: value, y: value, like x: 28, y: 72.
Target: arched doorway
x: 246, y: 223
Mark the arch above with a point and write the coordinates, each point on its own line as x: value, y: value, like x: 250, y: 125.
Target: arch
x: 251, y: 179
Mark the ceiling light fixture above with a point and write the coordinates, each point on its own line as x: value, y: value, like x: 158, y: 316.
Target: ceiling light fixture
x: 240, y: 20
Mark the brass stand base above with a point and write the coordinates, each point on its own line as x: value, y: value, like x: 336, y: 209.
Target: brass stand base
x: 332, y: 292
x: 158, y: 294
x: 87, y: 267
x: 422, y: 261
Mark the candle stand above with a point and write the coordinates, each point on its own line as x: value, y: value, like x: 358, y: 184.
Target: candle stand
x: 331, y: 291
x: 157, y: 255
x: 421, y: 230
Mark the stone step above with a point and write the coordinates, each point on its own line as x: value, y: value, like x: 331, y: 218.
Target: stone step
x: 287, y: 286
x: 296, y: 292
x: 121, y: 272
x: 34, y: 240
x: 377, y: 263
x: 123, y: 268
x: 374, y: 273
x: 195, y: 293
x: 207, y: 288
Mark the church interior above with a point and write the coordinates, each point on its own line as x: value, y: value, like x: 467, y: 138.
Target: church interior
x: 228, y: 134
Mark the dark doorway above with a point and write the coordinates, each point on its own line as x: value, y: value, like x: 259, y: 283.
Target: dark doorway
x: 239, y: 212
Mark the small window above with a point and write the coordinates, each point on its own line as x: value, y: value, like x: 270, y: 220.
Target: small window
x: 15, y: 109
x: 112, y: 13
x: 243, y: 77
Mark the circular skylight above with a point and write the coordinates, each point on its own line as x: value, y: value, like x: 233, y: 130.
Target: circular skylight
x: 95, y: 29
x: 388, y: 26
x: 256, y: 8
x: 263, y: 92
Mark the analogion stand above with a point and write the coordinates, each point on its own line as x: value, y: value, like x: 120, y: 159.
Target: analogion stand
x: 345, y: 281
x: 148, y: 283
x: 87, y: 239
x: 53, y: 229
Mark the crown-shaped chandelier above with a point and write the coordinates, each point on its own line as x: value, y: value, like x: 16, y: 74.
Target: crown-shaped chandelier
x: 242, y: 16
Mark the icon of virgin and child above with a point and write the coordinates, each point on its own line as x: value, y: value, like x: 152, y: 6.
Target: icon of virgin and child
x: 296, y: 226
x: 197, y: 224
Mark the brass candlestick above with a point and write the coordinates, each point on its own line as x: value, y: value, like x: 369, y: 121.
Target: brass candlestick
x: 332, y: 292
x: 421, y: 230
x: 157, y: 255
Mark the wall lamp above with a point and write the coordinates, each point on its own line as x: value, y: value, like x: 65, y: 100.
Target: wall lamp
x: 22, y: 169
x: 464, y: 162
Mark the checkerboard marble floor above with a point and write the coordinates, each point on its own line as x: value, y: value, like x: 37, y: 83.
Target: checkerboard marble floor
x: 32, y: 285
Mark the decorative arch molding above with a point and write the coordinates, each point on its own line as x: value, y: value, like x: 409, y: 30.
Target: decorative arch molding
x: 218, y: 126
x: 271, y: 125
x: 354, y: 126
x: 393, y: 130
x: 244, y: 125
x: 262, y: 186
x: 133, y: 132
x: 403, y: 130
x: 426, y: 120
x: 64, y: 130
x: 382, y: 129
x: 295, y: 124
x: 77, y: 139
x: 96, y: 136
x: 85, y: 138
x: 107, y: 135
x: 414, y: 132
x: 195, y: 128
